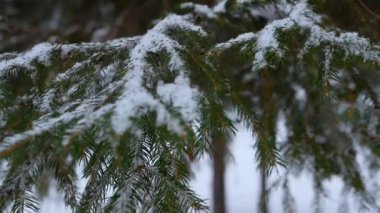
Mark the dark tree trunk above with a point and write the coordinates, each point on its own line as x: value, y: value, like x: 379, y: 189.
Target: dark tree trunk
x: 263, y: 205
x: 219, y: 155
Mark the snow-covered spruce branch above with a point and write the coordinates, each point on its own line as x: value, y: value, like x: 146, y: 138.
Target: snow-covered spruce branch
x: 301, y: 18
x: 129, y: 105
x: 102, y: 94
x: 129, y: 77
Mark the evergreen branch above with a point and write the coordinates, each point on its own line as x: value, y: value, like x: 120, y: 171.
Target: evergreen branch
x: 25, y: 202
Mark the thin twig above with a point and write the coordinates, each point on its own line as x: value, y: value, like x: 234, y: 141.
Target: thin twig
x: 369, y: 10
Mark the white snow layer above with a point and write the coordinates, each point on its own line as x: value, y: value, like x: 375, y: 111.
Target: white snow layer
x: 134, y: 92
x: 39, y: 53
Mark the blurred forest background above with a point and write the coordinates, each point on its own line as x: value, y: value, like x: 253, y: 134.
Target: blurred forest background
x: 27, y: 22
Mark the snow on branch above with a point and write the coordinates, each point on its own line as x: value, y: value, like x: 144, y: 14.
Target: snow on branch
x: 179, y: 92
x: 241, y: 39
x: 39, y: 53
x: 84, y: 93
x: 206, y: 11
x: 303, y: 19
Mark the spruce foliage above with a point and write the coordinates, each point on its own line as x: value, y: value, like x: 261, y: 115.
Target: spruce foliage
x: 133, y: 113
